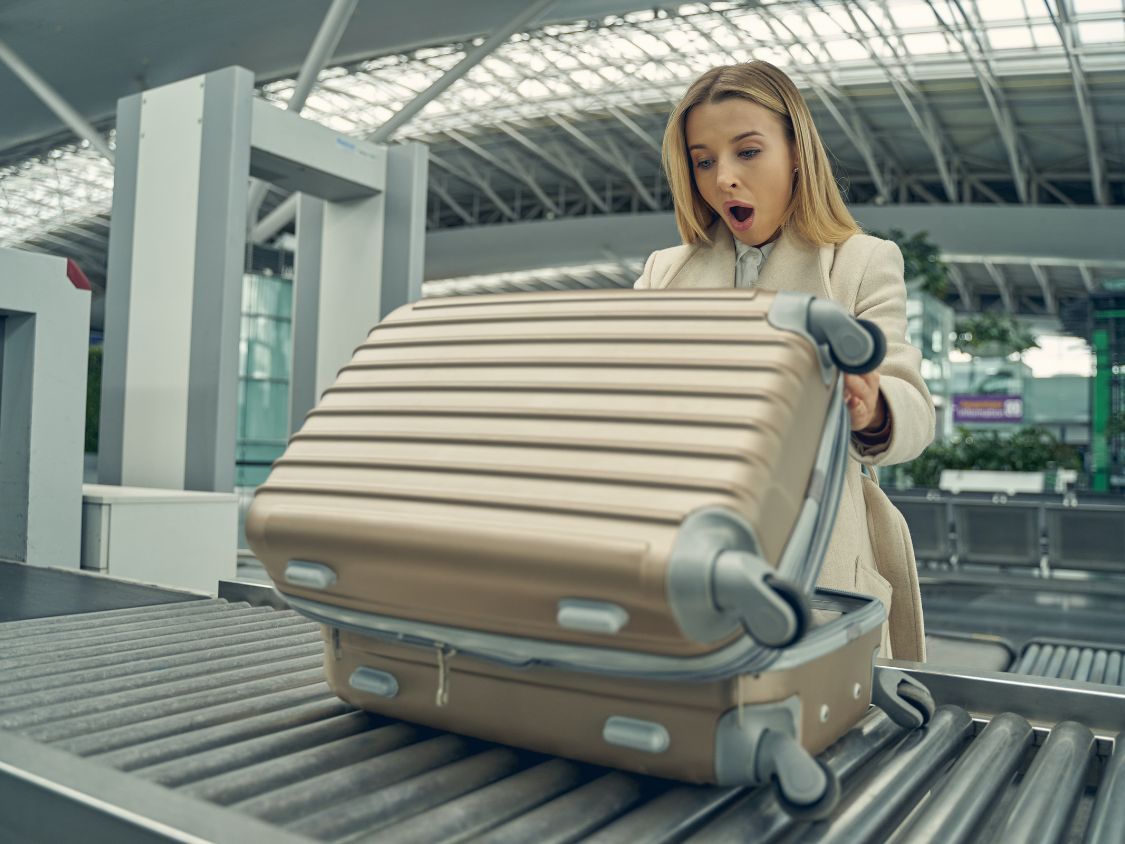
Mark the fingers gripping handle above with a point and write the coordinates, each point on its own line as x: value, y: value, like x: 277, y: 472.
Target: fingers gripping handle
x: 773, y: 611
x: 856, y: 345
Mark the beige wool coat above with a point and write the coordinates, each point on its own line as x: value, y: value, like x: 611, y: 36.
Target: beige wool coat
x: 870, y: 550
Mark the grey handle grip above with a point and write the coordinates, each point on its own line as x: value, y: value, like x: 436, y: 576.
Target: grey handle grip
x: 856, y: 346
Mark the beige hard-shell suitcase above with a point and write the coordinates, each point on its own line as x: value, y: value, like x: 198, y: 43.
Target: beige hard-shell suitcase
x: 588, y: 523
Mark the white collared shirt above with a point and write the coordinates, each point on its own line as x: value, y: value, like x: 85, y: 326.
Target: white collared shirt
x: 748, y: 263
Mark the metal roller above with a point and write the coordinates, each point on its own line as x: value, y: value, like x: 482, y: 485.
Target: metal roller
x: 956, y: 807
x: 1050, y: 790
x: 234, y: 731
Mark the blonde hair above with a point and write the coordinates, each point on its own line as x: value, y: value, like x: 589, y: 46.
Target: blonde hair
x: 816, y: 210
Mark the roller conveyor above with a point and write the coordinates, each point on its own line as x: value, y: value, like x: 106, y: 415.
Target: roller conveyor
x: 208, y: 720
x: 1087, y: 663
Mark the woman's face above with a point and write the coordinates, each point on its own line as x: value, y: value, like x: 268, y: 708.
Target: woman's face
x: 743, y: 165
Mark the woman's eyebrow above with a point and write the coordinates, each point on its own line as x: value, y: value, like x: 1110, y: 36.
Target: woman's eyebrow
x: 738, y: 138
x: 733, y: 140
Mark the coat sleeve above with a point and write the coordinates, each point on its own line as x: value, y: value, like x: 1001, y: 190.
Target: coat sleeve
x: 645, y: 281
x: 882, y: 299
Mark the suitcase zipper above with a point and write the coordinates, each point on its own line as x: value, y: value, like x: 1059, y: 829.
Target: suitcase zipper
x: 740, y: 657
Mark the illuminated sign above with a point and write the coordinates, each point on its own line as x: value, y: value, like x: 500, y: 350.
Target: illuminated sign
x: 969, y: 408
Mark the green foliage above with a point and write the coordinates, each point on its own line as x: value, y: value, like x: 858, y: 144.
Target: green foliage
x: 992, y: 335
x: 1027, y: 450
x: 1116, y: 426
x: 922, y: 261
x: 93, y: 397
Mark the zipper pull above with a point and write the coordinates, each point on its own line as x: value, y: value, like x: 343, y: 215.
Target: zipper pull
x: 741, y: 698
x: 444, y: 655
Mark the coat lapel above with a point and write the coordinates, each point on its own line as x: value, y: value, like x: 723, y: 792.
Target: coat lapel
x: 792, y: 265
x: 706, y: 266
x: 795, y: 265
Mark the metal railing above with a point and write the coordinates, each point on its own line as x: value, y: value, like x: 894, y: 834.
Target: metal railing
x: 1047, y: 533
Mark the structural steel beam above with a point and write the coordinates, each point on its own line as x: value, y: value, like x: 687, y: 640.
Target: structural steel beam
x: 444, y: 195
x: 52, y: 99
x: 1002, y: 285
x: 1011, y: 234
x: 993, y: 94
x: 634, y: 127
x: 1087, y: 278
x: 472, y: 58
x: 616, y: 160
x: 1065, y: 27
x: 284, y: 213
x: 1028, y: 260
x: 467, y: 174
x: 556, y: 155
x: 568, y: 167
x: 323, y: 46
x: 853, y: 125
x: 281, y: 216
x: 515, y: 167
x: 914, y: 101
x: 968, y: 300
x: 1049, y: 297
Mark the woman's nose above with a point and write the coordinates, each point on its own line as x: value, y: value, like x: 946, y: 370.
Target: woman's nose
x: 725, y: 176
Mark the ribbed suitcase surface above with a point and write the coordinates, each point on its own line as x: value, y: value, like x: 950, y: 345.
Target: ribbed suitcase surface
x: 500, y: 454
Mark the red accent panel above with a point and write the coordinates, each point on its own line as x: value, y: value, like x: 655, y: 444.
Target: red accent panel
x: 76, y: 276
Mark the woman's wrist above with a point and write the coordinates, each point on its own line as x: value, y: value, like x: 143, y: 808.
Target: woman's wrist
x: 880, y: 424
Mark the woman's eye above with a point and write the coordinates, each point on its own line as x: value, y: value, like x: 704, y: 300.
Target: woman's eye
x: 748, y: 153
x: 703, y: 163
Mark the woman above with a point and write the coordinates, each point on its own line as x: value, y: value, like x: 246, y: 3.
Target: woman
x: 756, y: 206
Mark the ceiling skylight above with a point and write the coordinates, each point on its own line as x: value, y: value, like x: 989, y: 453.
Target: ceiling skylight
x: 639, y: 60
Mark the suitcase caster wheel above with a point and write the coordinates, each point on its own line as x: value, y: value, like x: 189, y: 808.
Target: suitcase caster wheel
x: 804, y: 786
x: 920, y: 698
x: 771, y: 609
x: 797, y: 602
x: 817, y: 810
x: 906, y: 701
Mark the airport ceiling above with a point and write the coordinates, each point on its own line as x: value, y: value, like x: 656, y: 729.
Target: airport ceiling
x: 921, y: 102
x: 97, y: 51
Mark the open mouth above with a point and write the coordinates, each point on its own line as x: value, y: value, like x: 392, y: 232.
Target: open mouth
x: 741, y: 216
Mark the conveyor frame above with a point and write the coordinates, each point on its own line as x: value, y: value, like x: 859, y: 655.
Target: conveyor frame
x: 47, y: 793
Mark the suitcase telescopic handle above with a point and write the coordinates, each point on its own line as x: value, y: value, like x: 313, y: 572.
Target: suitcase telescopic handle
x: 856, y: 345
x: 771, y: 609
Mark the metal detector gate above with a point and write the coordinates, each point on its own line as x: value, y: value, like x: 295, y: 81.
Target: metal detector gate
x: 185, y: 154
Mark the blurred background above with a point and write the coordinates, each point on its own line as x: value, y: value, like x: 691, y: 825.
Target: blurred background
x: 195, y: 161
